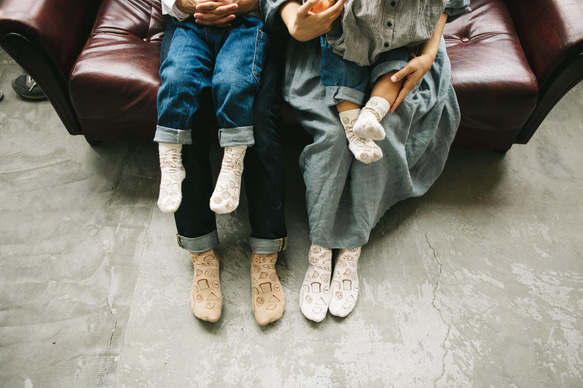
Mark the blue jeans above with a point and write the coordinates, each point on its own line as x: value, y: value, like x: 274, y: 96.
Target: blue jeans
x: 346, y: 81
x: 227, y: 60
x: 263, y: 174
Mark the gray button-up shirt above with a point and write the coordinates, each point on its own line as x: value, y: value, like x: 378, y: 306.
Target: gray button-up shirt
x: 368, y: 28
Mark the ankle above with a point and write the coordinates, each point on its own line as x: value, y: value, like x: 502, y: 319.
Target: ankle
x: 225, y: 197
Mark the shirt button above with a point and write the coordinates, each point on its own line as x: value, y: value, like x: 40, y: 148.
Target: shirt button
x: 393, y: 3
x: 386, y: 45
x: 389, y: 24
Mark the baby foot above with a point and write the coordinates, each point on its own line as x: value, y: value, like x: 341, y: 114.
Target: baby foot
x: 364, y: 150
x: 368, y: 124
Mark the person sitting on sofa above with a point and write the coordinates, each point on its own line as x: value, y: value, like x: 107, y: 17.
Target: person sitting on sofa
x: 358, y: 194
x: 195, y: 222
x: 229, y: 60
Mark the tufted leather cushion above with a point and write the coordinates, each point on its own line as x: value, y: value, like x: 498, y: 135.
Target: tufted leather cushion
x: 496, y: 88
x: 557, y: 27
x: 115, y: 80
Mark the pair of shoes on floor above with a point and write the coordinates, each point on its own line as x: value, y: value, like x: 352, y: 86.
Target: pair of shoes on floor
x: 27, y: 88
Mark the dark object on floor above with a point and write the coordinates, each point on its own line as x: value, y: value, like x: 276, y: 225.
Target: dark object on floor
x: 27, y: 88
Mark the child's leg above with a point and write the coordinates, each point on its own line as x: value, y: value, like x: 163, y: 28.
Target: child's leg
x: 346, y: 84
x: 236, y: 82
x: 364, y: 150
x: 184, y: 72
x: 383, y: 94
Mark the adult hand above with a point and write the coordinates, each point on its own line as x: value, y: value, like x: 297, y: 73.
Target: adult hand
x: 420, y: 64
x: 303, y: 24
x: 415, y: 69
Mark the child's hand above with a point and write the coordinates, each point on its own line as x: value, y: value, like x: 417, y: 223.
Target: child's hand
x: 415, y: 69
x: 215, y: 13
x: 303, y: 24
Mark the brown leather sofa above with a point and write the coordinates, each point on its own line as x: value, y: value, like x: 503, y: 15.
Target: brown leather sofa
x: 97, y: 61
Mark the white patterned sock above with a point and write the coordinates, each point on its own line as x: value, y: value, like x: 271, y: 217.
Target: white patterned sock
x: 344, y: 288
x: 172, y: 175
x: 225, y: 198
x: 315, y: 292
x: 368, y: 124
x: 364, y: 150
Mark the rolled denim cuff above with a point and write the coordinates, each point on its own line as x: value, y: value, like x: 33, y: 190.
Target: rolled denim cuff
x: 199, y: 244
x: 230, y: 137
x: 335, y: 94
x: 384, y: 68
x: 267, y: 246
x: 172, y: 135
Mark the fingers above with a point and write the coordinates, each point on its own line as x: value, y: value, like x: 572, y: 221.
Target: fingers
x: 307, y: 6
x: 215, y: 14
x: 404, y: 72
x: 408, y: 85
x: 211, y: 6
x: 335, y: 10
x: 219, y: 16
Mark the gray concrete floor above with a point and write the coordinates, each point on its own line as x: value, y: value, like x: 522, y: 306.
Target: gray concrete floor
x: 477, y: 284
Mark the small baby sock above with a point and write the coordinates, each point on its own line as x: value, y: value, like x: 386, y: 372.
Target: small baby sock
x: 315, y: 292
x: 344, y: 288
x: 225, y: 198
x: 364, y: 150
x: 171, y: 178
x: 368, y: 124
x: 206, y: 299
x: 268, y: 299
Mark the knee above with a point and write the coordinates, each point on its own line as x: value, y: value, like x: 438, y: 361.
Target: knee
x: 171, y: 75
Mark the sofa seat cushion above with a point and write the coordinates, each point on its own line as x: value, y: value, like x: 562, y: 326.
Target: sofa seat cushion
x: 496, y: 88
x: 114, y: 81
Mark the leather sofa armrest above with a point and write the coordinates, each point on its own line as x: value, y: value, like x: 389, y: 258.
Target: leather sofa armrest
x: 551, y: 34
x: 45, y: 37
